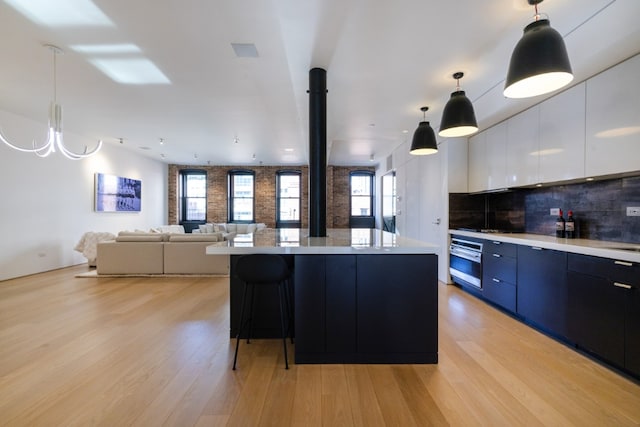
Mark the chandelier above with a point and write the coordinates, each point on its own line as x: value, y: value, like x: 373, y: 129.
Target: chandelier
x: 54, y: 141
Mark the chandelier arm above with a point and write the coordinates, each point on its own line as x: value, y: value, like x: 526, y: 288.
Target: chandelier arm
x: 73, y: 155
x: 17, y: 147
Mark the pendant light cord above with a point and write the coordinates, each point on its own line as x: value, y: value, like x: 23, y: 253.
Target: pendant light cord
x: 55, y: 78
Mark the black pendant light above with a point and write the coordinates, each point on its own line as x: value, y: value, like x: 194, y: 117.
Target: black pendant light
x: 458, y: 118
x: 539, y: 62
x: 424, y: 138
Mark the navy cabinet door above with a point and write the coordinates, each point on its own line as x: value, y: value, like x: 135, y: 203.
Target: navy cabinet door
x: 632, y: 330
x: 597, y: 316
x: 397, y: 305
x: 542, y: 288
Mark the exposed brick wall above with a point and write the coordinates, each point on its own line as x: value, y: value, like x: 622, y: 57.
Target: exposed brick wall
x: 265, y: 193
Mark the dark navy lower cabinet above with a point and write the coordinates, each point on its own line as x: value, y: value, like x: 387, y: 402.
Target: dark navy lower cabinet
x: 366, y: 308
x: 542, y: 288
x: 604, y: 309
x: 499, y: 267
x: 632, y: 333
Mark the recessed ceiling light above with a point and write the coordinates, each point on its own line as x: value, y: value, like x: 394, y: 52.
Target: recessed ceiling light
x: 245, y: 50
x: 133, y: 71
x: 66, y: 13
x: 288, y: 150
x: 405, y: 131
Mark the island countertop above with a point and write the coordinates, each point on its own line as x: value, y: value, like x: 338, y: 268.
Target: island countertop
x: 338, y: 241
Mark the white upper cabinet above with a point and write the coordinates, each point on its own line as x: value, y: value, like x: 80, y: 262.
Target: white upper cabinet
x: 523, y: 136
x: 613, y: 120
x: 478, y: 163
x: 562, y: 141
x: 457, y: 165
x: 496, y: 152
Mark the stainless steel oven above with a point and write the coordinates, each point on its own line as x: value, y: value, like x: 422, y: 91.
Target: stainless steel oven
x: 465, y: 262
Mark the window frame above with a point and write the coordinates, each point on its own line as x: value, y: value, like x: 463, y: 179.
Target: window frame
x: 183, y: 196
x: 362, y: 221
x: 231, y: 198
x: 288, y: 223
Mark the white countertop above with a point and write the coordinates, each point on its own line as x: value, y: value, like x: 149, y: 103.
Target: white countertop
x: 598, y: 248
x: 337, y: 241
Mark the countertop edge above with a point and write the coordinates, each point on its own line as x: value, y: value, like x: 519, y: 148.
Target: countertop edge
x: 597, y: 248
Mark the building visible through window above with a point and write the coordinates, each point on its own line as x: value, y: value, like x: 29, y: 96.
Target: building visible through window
x: 193, y: 195
x: 241, y: 196
x: 361, y: 192
x: 288, y: 199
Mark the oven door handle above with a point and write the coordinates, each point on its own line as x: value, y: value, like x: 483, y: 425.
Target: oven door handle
x: 468, y: 255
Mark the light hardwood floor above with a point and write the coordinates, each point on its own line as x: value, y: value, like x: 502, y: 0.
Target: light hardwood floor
x: 154, y: 352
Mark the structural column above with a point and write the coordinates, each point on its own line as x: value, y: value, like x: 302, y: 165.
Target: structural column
x: 317, y: 152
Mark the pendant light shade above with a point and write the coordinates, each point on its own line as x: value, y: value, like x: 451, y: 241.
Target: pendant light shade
x: 424, y: 138
x: 539, y: 62
x: 458, y: 118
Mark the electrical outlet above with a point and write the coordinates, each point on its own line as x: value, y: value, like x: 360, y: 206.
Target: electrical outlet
x: 554, y: 211
x: 633, y: 211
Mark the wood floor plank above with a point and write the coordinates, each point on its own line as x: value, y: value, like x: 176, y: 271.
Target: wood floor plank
x: 364, y: 402
x: 156, y: 351
x: 306, y: 410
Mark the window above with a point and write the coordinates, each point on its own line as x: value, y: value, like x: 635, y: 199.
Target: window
x: 193, y: 196
x: 361, y: 184
x: 241, y: 195
x: 288, y: 199
x: 361, y: 191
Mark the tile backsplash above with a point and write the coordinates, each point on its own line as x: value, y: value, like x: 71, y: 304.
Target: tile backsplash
x: 599, y: 209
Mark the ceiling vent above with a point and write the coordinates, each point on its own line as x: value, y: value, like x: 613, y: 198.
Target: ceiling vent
x: 245, y: 50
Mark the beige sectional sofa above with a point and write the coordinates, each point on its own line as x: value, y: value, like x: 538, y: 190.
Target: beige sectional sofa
x: 161, y: 253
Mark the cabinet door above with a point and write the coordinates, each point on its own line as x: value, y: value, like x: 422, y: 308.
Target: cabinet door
x: 457, y: 164
x: 496, y: 152
x: 613, y: 120
x: 477, y: 163
x: 542, y: 288
x: 500, y: 293
x: 387, y: 324
x: 499, y: 274
x: 562, y: 140
x: 596, y: 316
x: 523, y: 148
x: 632, y: 332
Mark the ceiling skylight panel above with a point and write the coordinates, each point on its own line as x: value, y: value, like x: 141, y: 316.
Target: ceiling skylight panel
x: 106, y: 49
x: 62, y: 13
x: 133, y: 71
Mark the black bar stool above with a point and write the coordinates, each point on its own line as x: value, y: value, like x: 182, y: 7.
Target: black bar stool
x: 261, y: 270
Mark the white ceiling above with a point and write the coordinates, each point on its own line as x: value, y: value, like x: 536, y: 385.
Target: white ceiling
x: 384, y: 60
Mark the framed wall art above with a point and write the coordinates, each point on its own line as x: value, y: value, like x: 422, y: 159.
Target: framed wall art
x: 117, y: 194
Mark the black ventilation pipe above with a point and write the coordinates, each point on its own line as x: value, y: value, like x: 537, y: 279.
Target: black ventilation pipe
x: 317, y: 152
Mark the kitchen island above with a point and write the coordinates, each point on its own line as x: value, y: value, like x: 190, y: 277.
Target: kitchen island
x: 360, y: 295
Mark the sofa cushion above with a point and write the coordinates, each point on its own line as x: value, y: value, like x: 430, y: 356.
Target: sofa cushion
x: 146, y: 237
x: 179, y: 229
x: 136, y: 257
x: 198, y: 237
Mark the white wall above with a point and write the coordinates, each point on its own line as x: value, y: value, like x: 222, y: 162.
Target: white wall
x: 47, y: 203
x: 422, y: 188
